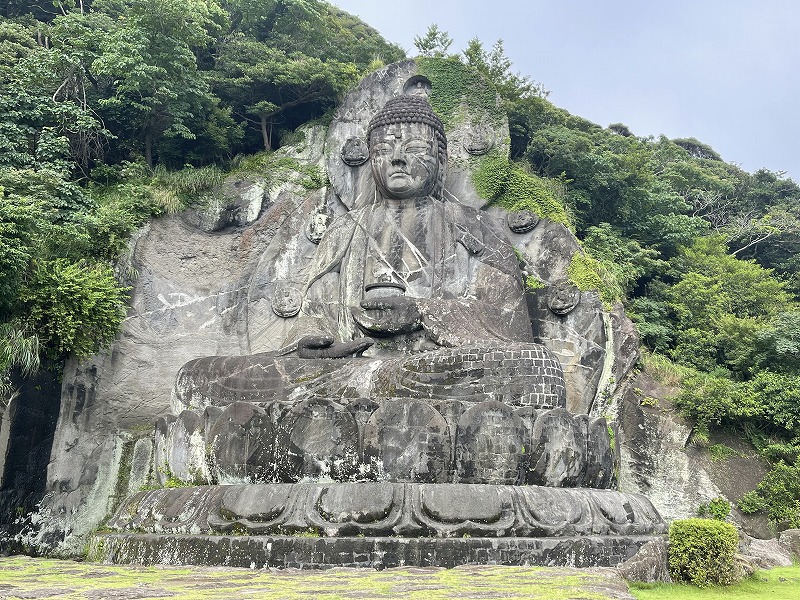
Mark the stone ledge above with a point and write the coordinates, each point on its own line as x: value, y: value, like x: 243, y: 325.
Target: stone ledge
x: 380, y: 509
x: 260, y: 552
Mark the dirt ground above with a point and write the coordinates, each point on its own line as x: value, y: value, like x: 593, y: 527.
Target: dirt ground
x: 34, y: 578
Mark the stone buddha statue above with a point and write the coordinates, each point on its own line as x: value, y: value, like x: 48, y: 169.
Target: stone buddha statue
x: 411, y: 357
x: 408, y: 407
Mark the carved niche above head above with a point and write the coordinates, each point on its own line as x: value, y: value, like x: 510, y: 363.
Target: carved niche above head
x: 418, y: 85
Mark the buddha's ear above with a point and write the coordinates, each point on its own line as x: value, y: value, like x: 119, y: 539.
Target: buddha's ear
x: 439, y: 188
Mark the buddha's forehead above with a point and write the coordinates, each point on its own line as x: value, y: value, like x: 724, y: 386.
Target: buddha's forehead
x: 400, y: 131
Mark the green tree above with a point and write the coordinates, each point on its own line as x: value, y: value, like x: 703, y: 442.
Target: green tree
x: 720, y: 306
x: 18, y: 228
x: 151, y: 64
x: 289, y: 61
x: 495, y: 66
x: 45, y: 120
x: 271, y: 85
x: 779, y: 343
x: 312, y: 28
x: 435, y: 43
x: 626, y: 258
x: 74, y: 307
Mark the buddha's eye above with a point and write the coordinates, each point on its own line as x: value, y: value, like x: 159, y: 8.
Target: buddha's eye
x: 417, y: 148
x: 382, y: 149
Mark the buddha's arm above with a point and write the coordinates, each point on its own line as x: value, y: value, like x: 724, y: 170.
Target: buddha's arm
x: 491, y: 302
x: 463, y: 321
x: 488, y: 315
x: 314, y: 333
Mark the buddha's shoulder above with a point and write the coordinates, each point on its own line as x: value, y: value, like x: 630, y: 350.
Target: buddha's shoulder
x: 471, y: 218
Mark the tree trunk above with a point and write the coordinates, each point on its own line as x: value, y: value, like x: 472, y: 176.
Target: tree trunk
x: 266, y: 133
x: 148, y: 149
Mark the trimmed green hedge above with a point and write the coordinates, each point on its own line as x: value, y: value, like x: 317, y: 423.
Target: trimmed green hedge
x: 701, y: 551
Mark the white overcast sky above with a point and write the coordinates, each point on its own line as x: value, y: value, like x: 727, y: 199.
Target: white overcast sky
x: 726, y: 72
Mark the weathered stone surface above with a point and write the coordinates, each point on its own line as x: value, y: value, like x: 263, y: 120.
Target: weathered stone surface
x: 558, y: 455
x: 27, y: 421
x: 237, y: 202
x: 649, y: 565
x: 181, y: 448
x: 407, y: 440
x: 241, y: 444
x: 765, y: 554
x: 582, y: 356
x: 625, y: 343
x: 141, y: 465
x: 318, y: 438
x: 659, y: 460
x: 599, y: 454
x: 384, y: 508
x: 517, y: 374
x: 790, y: 539
x: 656, y: 460
x: 744, y: 566
x: 490, y: 444
x: 399, y: 439
x: 371, y: 503
x: 374, y: 553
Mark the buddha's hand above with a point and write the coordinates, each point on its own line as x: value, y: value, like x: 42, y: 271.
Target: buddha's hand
x: 324, y: 346
x: 388, y: 316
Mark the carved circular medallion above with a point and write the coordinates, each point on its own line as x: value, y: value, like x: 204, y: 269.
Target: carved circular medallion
x: 317, y: 225
x: 286, y: 302
x: 522, y: 221
x: 478, y: 140
x: 355, y: 152
x: 563, y: 297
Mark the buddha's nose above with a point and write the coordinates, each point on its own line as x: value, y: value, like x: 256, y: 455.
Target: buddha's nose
x: 398, y: 156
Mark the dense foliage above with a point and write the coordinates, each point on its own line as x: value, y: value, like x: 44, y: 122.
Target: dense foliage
x: 778, y: 494
x: 701, y: 551
x: 113, y: 111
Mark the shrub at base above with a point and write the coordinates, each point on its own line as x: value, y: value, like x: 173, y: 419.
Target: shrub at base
x: 717, y: 509
x: 701, y: 551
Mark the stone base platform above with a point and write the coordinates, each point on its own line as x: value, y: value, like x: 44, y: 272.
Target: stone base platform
x: 386, y: 509
x: 377, y: 524
x: 380, y: 552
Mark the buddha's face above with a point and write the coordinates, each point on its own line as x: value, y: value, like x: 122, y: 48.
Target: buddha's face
x: 404, y: 160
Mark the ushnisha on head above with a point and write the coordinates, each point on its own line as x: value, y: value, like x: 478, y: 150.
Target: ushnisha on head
x: 408, y: 149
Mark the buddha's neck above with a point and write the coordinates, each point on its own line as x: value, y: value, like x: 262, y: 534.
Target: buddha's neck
x: 395, y: 204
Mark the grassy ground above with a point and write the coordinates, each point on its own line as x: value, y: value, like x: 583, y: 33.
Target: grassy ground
x: 22, y: 577
x: 775, y: 584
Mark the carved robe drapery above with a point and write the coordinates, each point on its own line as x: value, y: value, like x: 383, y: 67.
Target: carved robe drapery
x: 454, y: 260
